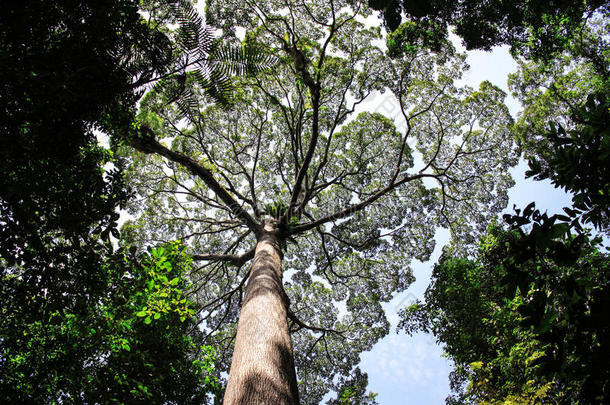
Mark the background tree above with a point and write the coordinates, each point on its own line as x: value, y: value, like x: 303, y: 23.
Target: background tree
x: 336, y: 196
x: 67, y: 68
x: 532, y: 28
x: 564, y: 125
x: 507, y: 356
x: 526, y: 319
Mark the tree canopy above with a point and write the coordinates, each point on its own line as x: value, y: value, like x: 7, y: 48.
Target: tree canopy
x: 293, y: 165
x: 355, y: 200
x: 525, y: 317
x: 532, y: 28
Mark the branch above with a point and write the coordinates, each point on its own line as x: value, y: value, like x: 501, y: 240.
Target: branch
x: 351, y: 209
x: 300, y: 65
x: 147, y: 144
x: 236, y: 260
x: 302, y: 325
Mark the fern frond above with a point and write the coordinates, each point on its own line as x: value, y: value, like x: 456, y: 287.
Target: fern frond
x: 207, y: 62
x: 240, y: 60
x: 193, y: 33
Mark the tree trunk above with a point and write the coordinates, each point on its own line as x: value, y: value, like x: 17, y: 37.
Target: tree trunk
x: 262, y: 370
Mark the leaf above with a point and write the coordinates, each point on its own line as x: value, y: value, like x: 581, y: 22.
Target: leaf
x: 559, y: 230
x: 529, y: 209
x: 142, y: 314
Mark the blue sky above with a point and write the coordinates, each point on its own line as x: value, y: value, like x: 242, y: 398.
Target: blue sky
x: 411, y: 369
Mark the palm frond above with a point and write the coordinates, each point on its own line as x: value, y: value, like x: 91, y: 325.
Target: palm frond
x: 216, y: 85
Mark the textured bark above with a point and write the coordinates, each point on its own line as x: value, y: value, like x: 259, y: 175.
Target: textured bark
x: 262, y: 370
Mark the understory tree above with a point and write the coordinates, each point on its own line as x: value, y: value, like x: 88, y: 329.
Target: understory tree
x: 563, y: 128
x: 69, y: 330
x: 300, y: 181
x: 132, y: 339
x: 525, y: 320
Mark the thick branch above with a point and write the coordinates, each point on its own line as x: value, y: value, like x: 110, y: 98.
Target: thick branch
x: 147, y: 144
x: 302, y: 325
x: 300, y: 64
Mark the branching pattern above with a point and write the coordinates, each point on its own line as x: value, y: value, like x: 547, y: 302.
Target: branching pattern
x: 356, y: 200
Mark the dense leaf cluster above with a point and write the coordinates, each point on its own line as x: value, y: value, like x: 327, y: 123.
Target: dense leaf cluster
x: 130, y: 339
x: 527, y: 318
x: 68, y: 329
x: 579, y: 161
x: 564, y: 126
x: 534, y: 28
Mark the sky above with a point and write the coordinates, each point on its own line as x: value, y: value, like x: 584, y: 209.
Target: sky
x: 411, y: 369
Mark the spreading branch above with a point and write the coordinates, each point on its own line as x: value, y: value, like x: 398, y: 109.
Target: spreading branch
x: 353, y: 208
x: 302, y: 325
x: 236, y: 260
x: 148, y: 144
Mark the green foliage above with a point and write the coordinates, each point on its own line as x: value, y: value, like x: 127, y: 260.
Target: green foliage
x: 579, y: 161
x: 133, y: 343
x: 64, y: 66
x: 409, y: 37
x: 163, y: 289
x: 352, y: 390
x: 359, y: 193
x: 526, y: 320
x: 68, y: 325
x: 533, y: 28
x: 564, y: 126
x: 206, y: 64
x: 276, y: 210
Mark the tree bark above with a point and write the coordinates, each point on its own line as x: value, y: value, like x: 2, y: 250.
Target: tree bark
x: 262, y: 371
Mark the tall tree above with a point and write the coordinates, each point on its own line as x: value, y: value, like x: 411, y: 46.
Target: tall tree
x: 295, y: 177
